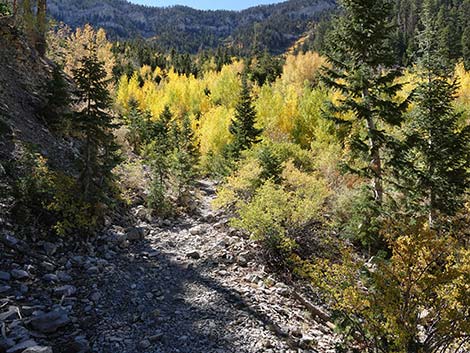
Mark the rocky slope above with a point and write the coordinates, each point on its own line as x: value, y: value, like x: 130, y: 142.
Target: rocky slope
x: 190, y: 284
x: 274, y: 27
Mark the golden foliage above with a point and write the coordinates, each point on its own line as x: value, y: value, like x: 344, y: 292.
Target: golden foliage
x: 419, y: 297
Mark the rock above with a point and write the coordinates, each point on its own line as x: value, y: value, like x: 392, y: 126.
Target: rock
x: 24, y: 288
x: 143, y: 214
x: 242, y: 261
x: 10, y: 314
x: 5, y: 344
x: 155, y: 338
x: 47, y: 266
x: 197, y: 230
x: 135, y: 233
x: 50, y: 277
x: 78, y: 345
x: 50, y: 322
x: 4, y: 276
x: 20, y: 347
x: 194, y: 255
x: 93, y: 270
x: 95, y: 297
x: 144, y: 344
x: 10, y: 239
x: 64, y: 276
x: 49, y: 248
x: 38, y: 349
x: 77, y: 261
x: 4, y: 289
x: 66, y: 290
x: 19, y: 274
x: 19, y: 333
x: 307, y: 342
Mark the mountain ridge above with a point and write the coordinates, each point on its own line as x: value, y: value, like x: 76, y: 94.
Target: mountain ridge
x: 273, y: 27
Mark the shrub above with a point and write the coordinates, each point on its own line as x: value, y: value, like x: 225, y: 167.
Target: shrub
x: 272, y: 199
x: 48, y: 198
x: 5, y: 9
x: 415, y: 301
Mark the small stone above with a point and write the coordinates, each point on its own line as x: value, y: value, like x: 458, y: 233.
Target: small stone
x: 10, y: 314
x: 307, y: 342
x: 135, y: 233
x: 66, y: 290
x: 64, y: 276
x: 38, y: 349
x: 19, y: 274
x: 50, y: 322
x: 50, y: 277
x: 4, y: 289
x: 4, y: 276
x: 47, y: 266
x: 49, y: 248
x: 5, y: 344
x: 77, y: 261
x: 242, y: 261
x: 155, y: 338
x: 296, y: 333
x: 95, y: 297
x: 93, y: 270
x: 79, y: 345
x: 144, y: 344
x: 194, y: 255
x: 20, y: 347
x: 24, y: 288
x: 10, y: 239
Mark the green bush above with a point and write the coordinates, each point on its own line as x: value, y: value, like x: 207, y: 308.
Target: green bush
x: 48, y: 198
x: 5, y: 9
x: 272, y: 198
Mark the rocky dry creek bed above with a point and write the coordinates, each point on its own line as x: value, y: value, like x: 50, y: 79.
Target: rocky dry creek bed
x: 190, y: 285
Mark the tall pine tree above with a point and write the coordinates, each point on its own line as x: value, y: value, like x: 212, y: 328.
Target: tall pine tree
x: 360, y: 68
x: 438, y: 151
x: 243, y: 129
x: 95, y: 127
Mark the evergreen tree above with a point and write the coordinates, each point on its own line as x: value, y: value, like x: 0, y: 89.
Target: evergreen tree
x: 185, y: 158
x: 438, y: 152
x: 28, y: 19
x: 58, y: 101
x: 159, y: 153
x: 466, y: 48
x: 243, y: 129
x: 41, y: 26
x: 94, y: 125
x: 140, y: 126
x: 361, y: 59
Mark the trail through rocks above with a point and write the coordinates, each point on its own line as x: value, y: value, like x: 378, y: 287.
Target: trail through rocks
x: 192, y: 286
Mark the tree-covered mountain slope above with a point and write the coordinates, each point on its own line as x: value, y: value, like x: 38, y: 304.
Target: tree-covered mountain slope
x: 274, y: 27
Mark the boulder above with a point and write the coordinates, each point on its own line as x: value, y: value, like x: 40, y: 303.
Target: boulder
x: 19, y: 274
x: 135, y: 233
x: 50, y: 322
x: 194, y: 255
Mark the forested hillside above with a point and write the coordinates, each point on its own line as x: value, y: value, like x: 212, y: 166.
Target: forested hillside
x: 186, y: 198
x: 273, y: 27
